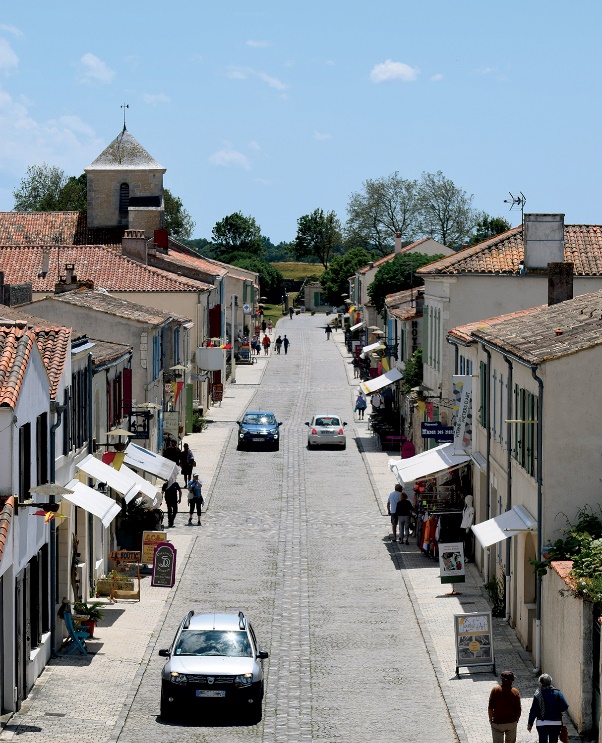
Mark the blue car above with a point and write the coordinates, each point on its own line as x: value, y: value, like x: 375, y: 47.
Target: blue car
x: 259, y: 427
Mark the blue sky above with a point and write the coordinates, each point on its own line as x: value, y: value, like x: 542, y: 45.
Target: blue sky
x: 275, y: 109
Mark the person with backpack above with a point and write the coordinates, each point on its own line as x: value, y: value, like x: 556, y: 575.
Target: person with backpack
x: 403, y: 511
x: 195, y: 498
x: 547, y: 708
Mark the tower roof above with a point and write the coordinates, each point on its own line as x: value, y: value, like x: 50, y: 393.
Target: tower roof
x: 125, y: 153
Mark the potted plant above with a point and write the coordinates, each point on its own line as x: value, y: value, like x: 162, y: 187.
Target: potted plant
x: 92, y: 611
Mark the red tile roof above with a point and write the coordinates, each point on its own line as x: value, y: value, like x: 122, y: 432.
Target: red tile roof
x: 105, y: 267
x: 503, y: 253
x: 406, y: 304
x: 50, y: 228
x: 15, y: 350
x: 8, y: 506
x: 464, y: 332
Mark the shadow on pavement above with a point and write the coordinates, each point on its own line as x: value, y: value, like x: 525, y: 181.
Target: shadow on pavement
x: 224, y: 718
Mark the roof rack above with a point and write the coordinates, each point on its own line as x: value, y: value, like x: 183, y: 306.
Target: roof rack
x: 242, y: 622
x: 189, y: 616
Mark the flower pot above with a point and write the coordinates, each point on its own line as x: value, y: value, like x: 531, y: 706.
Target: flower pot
x: 89, y: 625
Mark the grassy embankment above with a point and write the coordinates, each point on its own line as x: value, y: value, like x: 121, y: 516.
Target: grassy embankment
x: 296, y: 272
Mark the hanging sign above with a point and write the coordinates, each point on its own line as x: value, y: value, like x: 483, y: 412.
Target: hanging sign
x: 451, y: 562
x: 474, y: 640
x: 436, y: 430
x: 164, y: 565
x: 462, y: 394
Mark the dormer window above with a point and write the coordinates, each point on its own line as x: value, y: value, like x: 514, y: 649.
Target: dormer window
x: 124, y: 199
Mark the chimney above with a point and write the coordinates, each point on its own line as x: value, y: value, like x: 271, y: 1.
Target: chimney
x: 133, y: 245
x: 161, y: 239
x: 560, y: 282
x: 70, y: 276
x: 398, y: 242
x: 543, y: 236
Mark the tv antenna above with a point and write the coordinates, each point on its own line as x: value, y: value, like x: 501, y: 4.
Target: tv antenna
x: 517, y: 201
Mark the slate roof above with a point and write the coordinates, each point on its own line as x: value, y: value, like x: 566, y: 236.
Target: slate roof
x: 115, y: 306
x: 52, y: 228
x: 503, y: 253
x: 533, y: 337
x: 15, y: 351
x: 124, y: 153
x: 105, y: 267
x: 8, y: 506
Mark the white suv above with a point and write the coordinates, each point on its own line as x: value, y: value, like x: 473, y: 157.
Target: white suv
x: 213, y: 658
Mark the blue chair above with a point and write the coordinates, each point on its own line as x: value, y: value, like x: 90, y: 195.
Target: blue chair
x: 77, y: 636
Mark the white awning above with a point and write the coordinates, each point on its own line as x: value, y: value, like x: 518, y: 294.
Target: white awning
x: 393, y: 375
x: 378, y: 346
x: 92, y: 501
x: 100, y: 471
x: 148, y: 491
x: 357, y: 326
x: 508, y: 524
x: 427, y: 464
x: 155, y: 464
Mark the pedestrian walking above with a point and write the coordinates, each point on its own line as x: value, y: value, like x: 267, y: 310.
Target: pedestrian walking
x: 286, y: 343
x: 264, y: 326
x: 355, y: 362
x: 172, y: 452
x: 187, y: 464
x: 392, y: 501
x: 266, y: 345
x: 195, y: 498
x: 278, y: 343
x: 547, y: 708
x: 404, y: 514
x: 173, y: 496
x: 291, y: 312
x: 504, y: 709
x: 378, y: 405
x: 360, y: 405
x: 328, y: 332
x: 270, y: 327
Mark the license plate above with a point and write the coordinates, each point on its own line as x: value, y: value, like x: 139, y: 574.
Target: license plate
x: 210, y: 693
x: 326, y: 432
x: 257, y: 439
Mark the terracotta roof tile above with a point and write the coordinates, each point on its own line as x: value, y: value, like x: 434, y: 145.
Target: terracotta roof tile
x: 548, y: 333
x: 503, y: 253
x: 15, y: 350
x: 406, y: 304
x: 8, y: 507
x: 105, y: 267
x: 48, y: 228
x: 464, y: 332
x: 106, y: 351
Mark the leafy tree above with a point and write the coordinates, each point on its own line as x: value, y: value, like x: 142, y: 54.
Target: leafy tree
x: 284, y: 251
x: 201, y: 245
x: 335, y: 280
x: 40, y: 189
x: 270, y: 278
x: 446, y: 211
x: 385, y: 206
x: 236, y: 235
x: 318, y: 236
x: 396, y: 275
x: 176, y: 220
x: 488, y: 227
x: 73, y: 196
x: 412, y: 375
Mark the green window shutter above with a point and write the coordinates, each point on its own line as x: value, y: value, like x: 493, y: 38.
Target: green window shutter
x: 425, y: 334
x: 244, y: 292
x: 316, y: 299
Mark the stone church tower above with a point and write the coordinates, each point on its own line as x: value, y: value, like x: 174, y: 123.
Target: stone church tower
x: 125, y: 187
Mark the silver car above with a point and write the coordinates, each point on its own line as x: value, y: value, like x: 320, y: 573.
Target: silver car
x: 214, y: 658
x: 326, y: 429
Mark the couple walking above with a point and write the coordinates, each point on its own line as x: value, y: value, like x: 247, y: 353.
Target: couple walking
x: 400, y: 510
x: 282, y: 342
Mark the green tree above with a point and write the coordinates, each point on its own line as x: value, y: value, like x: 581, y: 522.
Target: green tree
x: 318, y: 236
x: 201, y: 245
x: 73, y: 196
x: 446, y: 212
x: 384, y: 207
x: 40, y: 189
x: 236, y: 235
x: 397, y: 274
x: 335, y: 280
x: 270, y: 278
x: 412, y: 375
x: 176, y: 220
x: 284, y: 251
x: 488, y: 227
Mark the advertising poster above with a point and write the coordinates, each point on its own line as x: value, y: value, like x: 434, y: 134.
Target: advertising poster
x: 474, y: 640
x: 150, y: 539
x: 451, y: 562
x: 462, y: 394
x: 164, y: 565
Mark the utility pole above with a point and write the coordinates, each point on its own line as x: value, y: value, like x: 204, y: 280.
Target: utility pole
x: 232, y: 339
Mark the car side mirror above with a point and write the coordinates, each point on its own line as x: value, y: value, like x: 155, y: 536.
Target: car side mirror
x: 307, y: 423
x: 344, y: 423
x: 238, y: 423
x: 263, y: 654
x: 280, y: 423
x: 164, y: 653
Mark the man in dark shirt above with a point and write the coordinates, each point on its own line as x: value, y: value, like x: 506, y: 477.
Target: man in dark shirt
x: 504, y: 710
x: 173, y: 496
x: 404, y: 514
x: 172, y: 452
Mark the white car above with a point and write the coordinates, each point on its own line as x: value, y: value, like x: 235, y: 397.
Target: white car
x: 326, y: 429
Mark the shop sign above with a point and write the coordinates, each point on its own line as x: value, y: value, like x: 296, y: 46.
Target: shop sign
x: 474, y: 640
x: 436, y: 430
x: 462, y: 394
x: 451, y: 562
x: 150, y: 539
x: 164, y: 565
x: 171, y: 423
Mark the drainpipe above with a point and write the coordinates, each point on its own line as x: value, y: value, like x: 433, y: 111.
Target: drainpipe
x: 488, y: 470
x: 58, y: 409
x: 539, y: 381
x: 508, y: 482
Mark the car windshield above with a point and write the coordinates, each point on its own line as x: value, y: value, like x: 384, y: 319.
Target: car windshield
x: 327, y: 420
x: 259, y: 419
x: 214, y: 642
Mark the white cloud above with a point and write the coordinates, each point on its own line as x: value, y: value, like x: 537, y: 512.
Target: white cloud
x: 244, y: 73
x: 486, y: 70
x: 230, y: 158
x: 11, y: 29
x: 389, y: 70
x: 322, y: 136
x: 257, y: 44
x: 95, y: 70
x: 253, y: 145
x: 8, y: 58
x: 154, y: 98
x: 437, y: 77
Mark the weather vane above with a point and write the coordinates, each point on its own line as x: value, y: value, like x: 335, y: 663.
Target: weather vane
x: 124, y: 106
x: 517, y: 201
